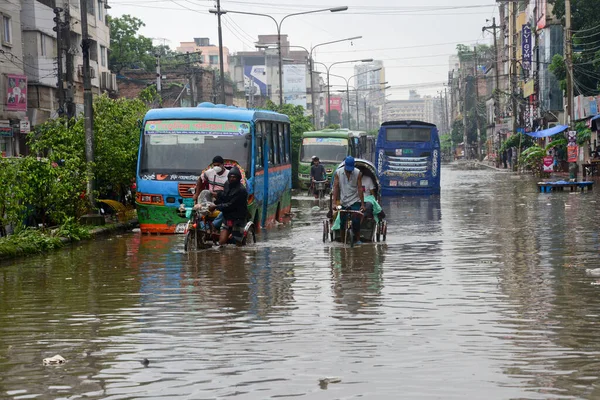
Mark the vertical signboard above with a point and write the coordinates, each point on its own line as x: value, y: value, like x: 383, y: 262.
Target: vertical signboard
x: 16, y: 92
x: 526, y: 46
x: 294, y: 84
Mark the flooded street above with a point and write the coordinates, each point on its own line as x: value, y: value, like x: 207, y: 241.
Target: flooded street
x: 479, y: 293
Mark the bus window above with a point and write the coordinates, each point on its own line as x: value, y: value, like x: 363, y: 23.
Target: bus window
x: 269, y: 132
x: 281, y: 142
x: 260, y: 133
x: 286, y: 135
x: 276, y: 152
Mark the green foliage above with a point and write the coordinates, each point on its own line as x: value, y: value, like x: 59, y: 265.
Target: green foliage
x: 532, y: 159
x: 334, y: 118
x: 559, y: 69
x: 150, y: 95
x: 446, y: 143
x: 299, y: 123
x: 129, y: 49
x: 333, y: 126
x: 70, y: 229
x: 28, y: 241
x: 11, y: 194
x: 519, y: 141
x: 584, y: 134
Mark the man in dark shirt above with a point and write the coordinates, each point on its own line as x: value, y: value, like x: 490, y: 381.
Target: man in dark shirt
x: 317, y: 173
x: 233, y: 203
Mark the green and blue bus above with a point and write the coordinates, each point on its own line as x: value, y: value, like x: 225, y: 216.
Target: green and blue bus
x: 177, y: 144
x: 408, y: 158
x: 332, y: 146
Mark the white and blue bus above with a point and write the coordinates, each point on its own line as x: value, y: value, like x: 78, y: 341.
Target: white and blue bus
x: 177, y: 144
x: 408, y: 158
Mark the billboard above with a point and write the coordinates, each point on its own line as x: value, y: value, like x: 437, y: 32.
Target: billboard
x: 335, y: 103
x: 526, y: 46
x: 294, y: 84
x: 255, y: 80
x: 16, y: 92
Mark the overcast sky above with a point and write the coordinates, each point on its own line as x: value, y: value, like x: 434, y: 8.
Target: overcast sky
x: 413, y: 38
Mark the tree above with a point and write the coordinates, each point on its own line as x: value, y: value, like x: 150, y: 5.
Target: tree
x: 585, y: 15
x: 334, y: 118
x: 129, y: 49
x: 299, y: 123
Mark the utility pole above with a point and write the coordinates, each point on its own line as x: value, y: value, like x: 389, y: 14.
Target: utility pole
x: 221, y: 62
x: 477, y: 105
x: 569, y: 63
x: 158, y: 76
x: 70, y: 67
x: 87, y: 104
x: 464, y: 116
x: 59, y: 55
x: 496, y: 92
x: 315, y: 120
x: 358, y: 112
x: 191, y: 80
x: 513, y: 67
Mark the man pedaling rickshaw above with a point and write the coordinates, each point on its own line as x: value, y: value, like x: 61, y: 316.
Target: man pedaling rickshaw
x: 347, y: 189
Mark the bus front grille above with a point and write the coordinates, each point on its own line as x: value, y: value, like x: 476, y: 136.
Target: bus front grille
x: 183, y: 189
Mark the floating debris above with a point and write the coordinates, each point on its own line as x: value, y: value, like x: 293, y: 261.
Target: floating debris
x: 316, y: 208
x: 145, y: 362
x: 593, y: 272
x: 136, y: 230
x: 323, y: 382
x: 57, y: 359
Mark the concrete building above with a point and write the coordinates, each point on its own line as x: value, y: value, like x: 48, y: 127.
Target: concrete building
x: 368, y: 79
x: 13, y: 82
x: 41, y: 51
x: 209, y: 53
x: 416, y: 108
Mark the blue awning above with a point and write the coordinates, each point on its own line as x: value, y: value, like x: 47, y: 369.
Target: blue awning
x: 548, y: 132
x: 595, y: 117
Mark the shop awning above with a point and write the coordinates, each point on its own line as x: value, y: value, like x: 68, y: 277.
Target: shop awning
x: 548, y: 132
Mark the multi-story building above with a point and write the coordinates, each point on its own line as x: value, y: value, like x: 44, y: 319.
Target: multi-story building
x: 209, y: 53
x: 369, y: 80
x: 13, y: 82
x: 416, y: 108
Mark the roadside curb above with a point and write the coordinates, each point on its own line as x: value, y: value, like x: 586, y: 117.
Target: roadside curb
x: 95, y: 233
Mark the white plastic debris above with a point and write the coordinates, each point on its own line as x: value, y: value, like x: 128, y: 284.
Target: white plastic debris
x: 593, y: 272
x: 57, y: 359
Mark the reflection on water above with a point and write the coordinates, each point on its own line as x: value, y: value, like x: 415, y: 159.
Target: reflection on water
x: 477, y: 293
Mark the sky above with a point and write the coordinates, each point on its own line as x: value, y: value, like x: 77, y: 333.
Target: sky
x: 413, y: 39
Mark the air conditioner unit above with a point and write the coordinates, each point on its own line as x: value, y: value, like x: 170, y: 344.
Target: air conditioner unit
x: 105, y: 80
x: 80, y: 71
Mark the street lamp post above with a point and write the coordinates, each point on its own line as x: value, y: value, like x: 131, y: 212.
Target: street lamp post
x: 278, y: 24
x: 359, y: 88
x: 328, y: 68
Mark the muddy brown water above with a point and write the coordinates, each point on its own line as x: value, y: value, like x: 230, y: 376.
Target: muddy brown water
x: 479, y: 293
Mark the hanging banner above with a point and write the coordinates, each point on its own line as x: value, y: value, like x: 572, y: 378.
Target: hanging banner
x: 255, y: 80
x: 526, y: 46
x: 16, y: 92
x: 572, y: 153
x: 548, y: 163
x: 294, y: 84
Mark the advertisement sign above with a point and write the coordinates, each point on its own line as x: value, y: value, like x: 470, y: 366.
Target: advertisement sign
x: 528, y: 88
x: 255, y: 80
x: 294, y: 84
x: 166, y: 128
x: 526, y: 46
x: 16, y: 92
x: 335, y: 103
x: 548, y: 162
x: 540, y: 14
x: 24, y: 125
x: 572, y: 138
x: 572, y: 153
x: 5, y: 128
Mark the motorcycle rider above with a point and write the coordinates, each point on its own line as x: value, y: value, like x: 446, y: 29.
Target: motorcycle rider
x: 233, y: 204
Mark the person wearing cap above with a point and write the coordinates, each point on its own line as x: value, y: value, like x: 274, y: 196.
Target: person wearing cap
x: 232, y: 201
x: 317, y: 173
x: 347, y: 189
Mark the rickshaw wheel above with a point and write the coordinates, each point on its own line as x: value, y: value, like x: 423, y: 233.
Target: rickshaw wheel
x: 350, y: 237
x: 190, y: 241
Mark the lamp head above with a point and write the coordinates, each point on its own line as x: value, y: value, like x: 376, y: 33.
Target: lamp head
x: 338, y: 9
x: 367, y: 60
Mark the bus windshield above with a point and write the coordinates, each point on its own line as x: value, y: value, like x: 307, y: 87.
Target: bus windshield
x: 327, y: 149
x: 408, y: 134
x: 188, y: 146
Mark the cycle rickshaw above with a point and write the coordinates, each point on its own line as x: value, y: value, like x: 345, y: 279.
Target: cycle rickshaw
x: 373, y: 227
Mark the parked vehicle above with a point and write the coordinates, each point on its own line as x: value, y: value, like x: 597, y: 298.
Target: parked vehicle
x: 176, y: 144
x: 408, y: 158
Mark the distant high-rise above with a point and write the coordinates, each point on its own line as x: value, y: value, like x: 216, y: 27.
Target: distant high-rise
x: 369, y: 81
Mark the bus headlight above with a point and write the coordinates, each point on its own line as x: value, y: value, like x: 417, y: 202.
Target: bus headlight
x: 146, y: 198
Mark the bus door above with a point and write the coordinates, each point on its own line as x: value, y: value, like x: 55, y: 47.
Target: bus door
x: 260, y: 171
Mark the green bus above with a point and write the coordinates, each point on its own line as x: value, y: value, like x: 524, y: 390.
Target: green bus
x: 331, y: 146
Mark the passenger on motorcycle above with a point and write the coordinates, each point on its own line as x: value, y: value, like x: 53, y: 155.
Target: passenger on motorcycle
x: 317, y: 173
x: 233, y: 204
x: 213, y: 180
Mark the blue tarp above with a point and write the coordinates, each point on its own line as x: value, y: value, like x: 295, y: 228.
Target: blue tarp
x: 548, y: 132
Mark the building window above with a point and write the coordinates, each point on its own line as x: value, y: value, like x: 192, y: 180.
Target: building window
x: 103, y: 56
x: 100, y: 10
x: 6, y: 29
x: 213, y: 60
x: 90, y: 6
x: 43, y: 50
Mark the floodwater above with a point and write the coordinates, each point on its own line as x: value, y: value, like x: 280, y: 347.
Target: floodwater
x: 480, y: 293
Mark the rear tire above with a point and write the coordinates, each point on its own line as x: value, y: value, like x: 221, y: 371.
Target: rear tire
x: 250, y: 237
